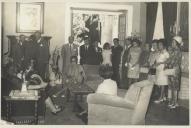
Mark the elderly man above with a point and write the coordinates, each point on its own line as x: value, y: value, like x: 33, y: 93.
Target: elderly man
x: 18, y: 52
x: 68, y: 50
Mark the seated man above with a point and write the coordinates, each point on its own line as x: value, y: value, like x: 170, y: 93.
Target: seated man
x: 14, y: 76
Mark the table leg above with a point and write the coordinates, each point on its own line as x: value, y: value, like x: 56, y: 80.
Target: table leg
x: 68, y: 94
x: 36, y: 113
x: 75, y: 103
x: 7, y: 110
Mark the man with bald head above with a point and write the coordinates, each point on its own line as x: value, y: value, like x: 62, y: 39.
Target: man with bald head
x: 68, y: 50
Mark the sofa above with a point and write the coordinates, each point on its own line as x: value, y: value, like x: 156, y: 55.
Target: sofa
x: 130, y: 109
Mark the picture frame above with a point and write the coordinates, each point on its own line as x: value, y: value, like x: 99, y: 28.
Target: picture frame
x: 30, y: 17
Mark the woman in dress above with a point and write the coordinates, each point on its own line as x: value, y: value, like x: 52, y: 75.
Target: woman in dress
x: 106, y: 54
x: 161, y: 77
x: 154, y: 53
x: 175, y: 63
x: 133, y: 62
x: 75, y: 73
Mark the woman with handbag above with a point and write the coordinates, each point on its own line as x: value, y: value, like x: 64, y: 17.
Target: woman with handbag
x: 161, y: 77
x: 174, y: 64
x: 154, y: 53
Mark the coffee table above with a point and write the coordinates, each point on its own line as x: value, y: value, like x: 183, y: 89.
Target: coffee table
x: 79, y: 90
x: 17, y: 97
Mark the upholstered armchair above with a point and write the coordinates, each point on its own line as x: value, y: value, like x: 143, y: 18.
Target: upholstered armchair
x: 131, y: 109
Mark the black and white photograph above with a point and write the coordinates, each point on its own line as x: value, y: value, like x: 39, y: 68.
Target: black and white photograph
x: 95, y: 63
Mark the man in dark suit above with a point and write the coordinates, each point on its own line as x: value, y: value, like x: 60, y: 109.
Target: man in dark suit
x: 18, y: 52
x: 95, y: 54
x: 124, y: 63
x: 84, y: 51
x: 116, y: 60
x: 30, y: 50
x: 42, y: 55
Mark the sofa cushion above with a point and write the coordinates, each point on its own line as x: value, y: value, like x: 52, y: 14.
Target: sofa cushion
x: 134, y: 90
x: 133, y: 94
x: 109, y: 100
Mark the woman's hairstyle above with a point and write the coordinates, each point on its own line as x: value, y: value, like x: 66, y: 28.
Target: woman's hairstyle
x: 32, y: 37
x: 137, y: 41
x: 105, y: 71
x: 106, y: 45
x: 154, y: 41
x: 178, y: 44
x: 163, y: 42
x: 73, y: 57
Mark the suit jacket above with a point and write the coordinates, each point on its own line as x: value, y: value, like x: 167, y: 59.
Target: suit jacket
x: 90, y: 56
x: 31, y: 51
x: 116, y: 55
x: 43, y: 51
x: 18, y: 53
x: 66, y: 53
x: 95, y: 56
x: 84, y: 54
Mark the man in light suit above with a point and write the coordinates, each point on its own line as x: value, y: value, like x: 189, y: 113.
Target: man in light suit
x: 68, y: 50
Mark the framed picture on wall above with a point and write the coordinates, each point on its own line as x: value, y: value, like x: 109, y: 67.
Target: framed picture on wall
x: 30, y: 17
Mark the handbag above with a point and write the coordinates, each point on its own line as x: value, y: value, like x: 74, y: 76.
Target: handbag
x: 169, y: 72
x: 152, y: 71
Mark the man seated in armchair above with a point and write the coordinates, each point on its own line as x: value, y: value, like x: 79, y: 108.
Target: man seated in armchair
x: 14, y: 77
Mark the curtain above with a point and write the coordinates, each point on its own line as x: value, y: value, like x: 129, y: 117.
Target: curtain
x: 184, y: 25
x: 159, y: 29
x: 151, y: 18
x: 169, y: 18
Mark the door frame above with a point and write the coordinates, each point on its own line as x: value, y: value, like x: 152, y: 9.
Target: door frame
x: 89, y: 6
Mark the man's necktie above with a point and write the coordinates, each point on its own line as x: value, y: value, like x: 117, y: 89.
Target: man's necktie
x: 70, y: 48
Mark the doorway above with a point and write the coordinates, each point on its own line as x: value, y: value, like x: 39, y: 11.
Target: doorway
x: 114, y: 21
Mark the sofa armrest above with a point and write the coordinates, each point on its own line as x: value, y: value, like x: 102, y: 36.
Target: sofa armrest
x: 109, y: 100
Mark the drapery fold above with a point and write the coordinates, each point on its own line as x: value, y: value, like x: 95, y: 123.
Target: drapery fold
x: 169, y: 18
x: 151, y: 19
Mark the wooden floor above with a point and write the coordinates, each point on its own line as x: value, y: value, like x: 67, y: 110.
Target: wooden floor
x: 158, y: 114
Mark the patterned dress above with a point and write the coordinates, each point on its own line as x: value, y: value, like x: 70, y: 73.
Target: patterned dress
x: 134, y: 53
x: 175, y: 63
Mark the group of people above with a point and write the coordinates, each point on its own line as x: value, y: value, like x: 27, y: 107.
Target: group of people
x: 35, y: 49
x: 92, y: 54
x: 161, y: 63
x: 29, y: 59
x: 164, y: 64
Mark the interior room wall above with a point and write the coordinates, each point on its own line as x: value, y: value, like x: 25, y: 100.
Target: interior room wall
x: 54, y: 21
